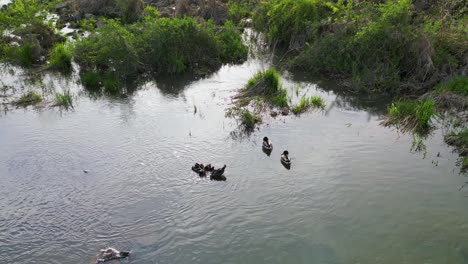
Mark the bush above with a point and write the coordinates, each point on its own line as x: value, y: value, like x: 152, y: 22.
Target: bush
x: 232, y: 49
x: 239, y: 9
x: 287, y: 21
x: 157, y: 46
x: 111, y: 49
x: 60, y: 57
x: 90, y: 80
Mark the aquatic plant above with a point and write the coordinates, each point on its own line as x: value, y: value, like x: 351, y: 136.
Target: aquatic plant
x: 65, y: 99
x: 306, y: 103
x: 317, y: 101
x: 266, y: 85
x: 302, y: 106
x: 411, y: 115
x: 459, y: 140
x: 29, y: 98
x: 60, y: 57
x: 248, y: 120
x: 418, y: 144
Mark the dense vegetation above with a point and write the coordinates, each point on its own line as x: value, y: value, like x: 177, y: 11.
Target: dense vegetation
x: 158, y: 46
x: 27, y: 33
x: 395, y: 46
x: 117, y: 50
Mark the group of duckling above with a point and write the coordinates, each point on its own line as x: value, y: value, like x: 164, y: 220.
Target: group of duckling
x: 267, y: 147
x: 215, y: 174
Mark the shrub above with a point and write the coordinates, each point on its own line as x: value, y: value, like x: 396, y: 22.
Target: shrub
x: 157, y: 46
x: 90, y: 80
x: 286, y: 21
x: 232, y: 49
x: 111, y: 49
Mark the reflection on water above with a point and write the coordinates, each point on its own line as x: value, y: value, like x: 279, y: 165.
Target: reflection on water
x: 355, y: 192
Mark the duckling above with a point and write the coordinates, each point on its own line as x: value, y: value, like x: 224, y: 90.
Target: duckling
x: 267, y: 145
x: 217, y: 174
x: 200, y: 169
x: 110, y: 254
x: 209, y: 168
x: 285, y: 158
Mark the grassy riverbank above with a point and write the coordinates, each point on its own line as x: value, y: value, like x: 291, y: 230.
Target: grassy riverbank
x: 393, y: 46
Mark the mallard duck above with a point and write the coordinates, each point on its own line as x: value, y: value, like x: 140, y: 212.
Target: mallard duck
x: 285, y: 158
x: 110, y: 254
x: 217, y: 174
x: 267, y: 145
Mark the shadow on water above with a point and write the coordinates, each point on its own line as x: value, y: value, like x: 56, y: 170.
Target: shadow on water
x: 175, y: 85
x: 346, y: 98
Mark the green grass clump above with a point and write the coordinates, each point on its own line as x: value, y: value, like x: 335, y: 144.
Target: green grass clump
x: 411, y: 115
x: 457, y: 85
x: 60, y: 57
x: 248, y: 120
x: 264, y: 82
x: 65, y: 99
x: 306, y: 103
x: 266, y: 85
x: 317, y: 101
x: 302, y: 106
x: 30, y: 98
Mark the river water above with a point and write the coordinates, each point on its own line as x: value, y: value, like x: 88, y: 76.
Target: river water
x: 356, y: 193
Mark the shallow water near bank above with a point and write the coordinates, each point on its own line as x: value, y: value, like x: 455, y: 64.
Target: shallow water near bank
x: 355, y: 192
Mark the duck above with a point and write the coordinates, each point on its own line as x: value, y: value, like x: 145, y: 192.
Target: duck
x: 285, y: 158
x: 200, y: 169
x: 110, y: 254
x: 267, y: 145
x: 209, y: 168
x: 217, y: 174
